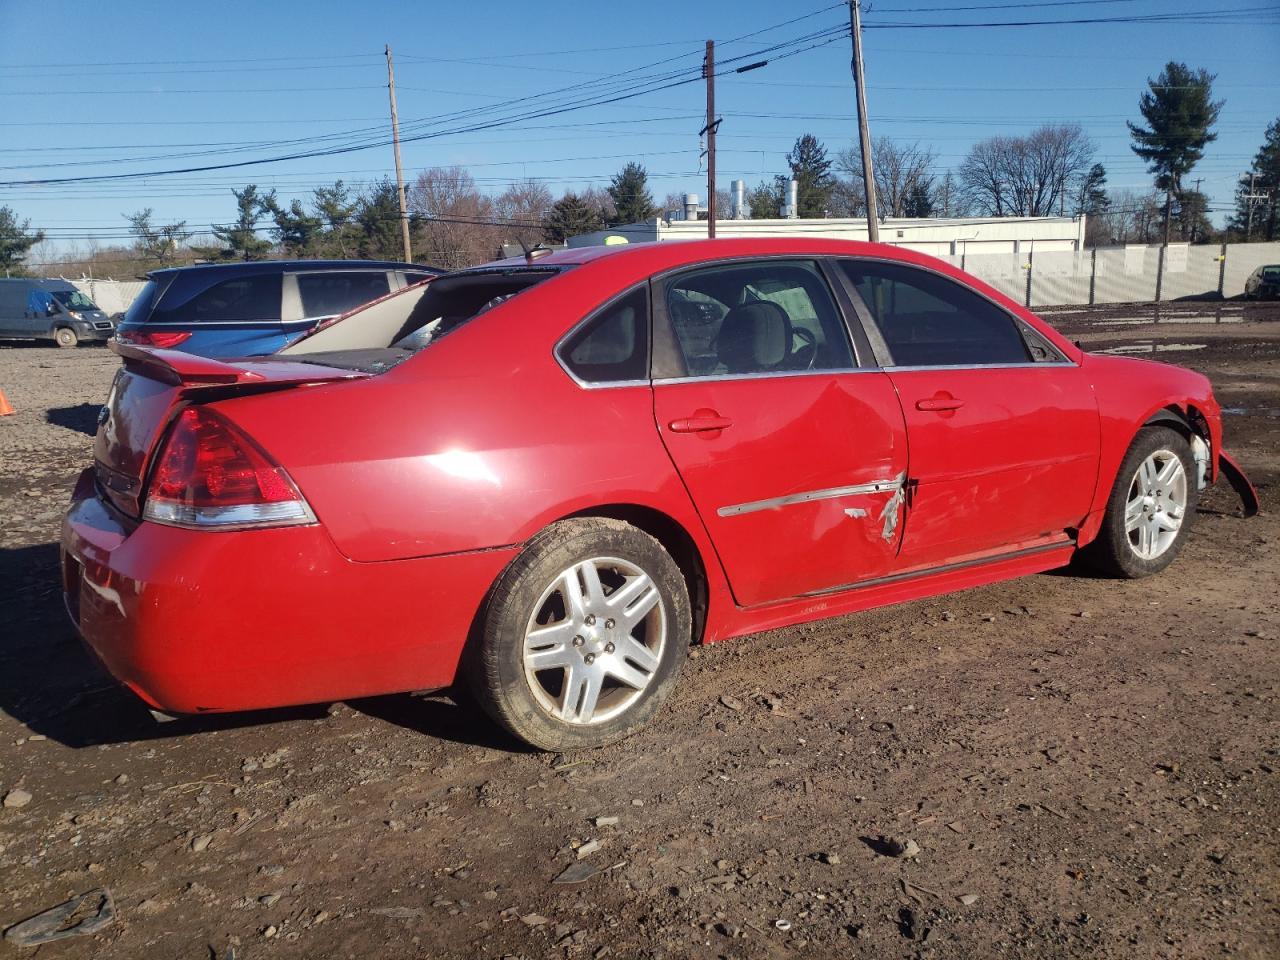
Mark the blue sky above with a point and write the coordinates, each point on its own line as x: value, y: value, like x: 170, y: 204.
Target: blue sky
x: 91, y: 83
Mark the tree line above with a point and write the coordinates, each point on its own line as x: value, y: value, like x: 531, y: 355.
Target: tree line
x: 1051, y: 170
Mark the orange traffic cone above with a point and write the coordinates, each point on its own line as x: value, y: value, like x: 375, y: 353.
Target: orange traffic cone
x: 6, y: 408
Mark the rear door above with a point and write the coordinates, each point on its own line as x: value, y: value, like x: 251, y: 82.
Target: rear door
x: 793, y: 455
x: 1004, y: 430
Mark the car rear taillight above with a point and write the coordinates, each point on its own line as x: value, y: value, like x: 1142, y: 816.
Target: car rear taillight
x: 149, y: 338
x: 210, y: 475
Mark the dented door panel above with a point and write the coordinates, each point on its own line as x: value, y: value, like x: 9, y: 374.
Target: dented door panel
x: 801, y: 491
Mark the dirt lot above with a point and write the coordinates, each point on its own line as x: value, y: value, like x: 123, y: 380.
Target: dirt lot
x: 1096, y: 762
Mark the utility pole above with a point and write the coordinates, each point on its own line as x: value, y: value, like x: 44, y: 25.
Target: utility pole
x: 864, y: 133
x: 1168, y: 213
x: 1249, y: 199
x: 709, y: 72
x: 395, y: 138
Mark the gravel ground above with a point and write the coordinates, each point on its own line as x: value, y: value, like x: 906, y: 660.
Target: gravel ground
x: 1088, y: 767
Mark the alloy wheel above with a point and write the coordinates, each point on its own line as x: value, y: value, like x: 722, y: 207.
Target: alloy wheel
x: 594, y: 641
x: 1156, y: 505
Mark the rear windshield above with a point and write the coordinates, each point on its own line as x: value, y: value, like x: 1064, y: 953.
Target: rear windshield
x: 1271, y: 273
x: 451, y: 301
x: 375, y: 339
x: 140, y: 310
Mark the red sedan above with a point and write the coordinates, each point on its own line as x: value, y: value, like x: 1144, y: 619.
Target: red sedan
x: 551, y: 476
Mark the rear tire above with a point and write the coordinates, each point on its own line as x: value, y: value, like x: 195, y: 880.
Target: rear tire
x: 1151, y: 507
x: 583, y: 637
x: 65, y: 337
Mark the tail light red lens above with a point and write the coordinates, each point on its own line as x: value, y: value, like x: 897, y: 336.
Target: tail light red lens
x: 153, y: 338
x: 210, y: 474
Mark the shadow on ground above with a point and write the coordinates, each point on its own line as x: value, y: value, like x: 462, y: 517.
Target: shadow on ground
x: 82, y: 418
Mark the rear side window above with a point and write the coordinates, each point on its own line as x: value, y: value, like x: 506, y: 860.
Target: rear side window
x: 328, y: 294
x: 613, y: 345
x: 238, y: 299
x: 927, y: 320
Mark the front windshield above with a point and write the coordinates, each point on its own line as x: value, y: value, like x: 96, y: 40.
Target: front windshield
x: 73, y: 300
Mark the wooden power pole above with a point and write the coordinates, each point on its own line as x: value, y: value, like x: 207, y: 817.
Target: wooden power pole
x: 395, y: 138
x: 709, y: 71
x: 864, y: 132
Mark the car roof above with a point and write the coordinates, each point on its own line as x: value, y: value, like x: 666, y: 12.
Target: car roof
x: 668, y: 254
x: 272, y: 266
x: 54, y: 283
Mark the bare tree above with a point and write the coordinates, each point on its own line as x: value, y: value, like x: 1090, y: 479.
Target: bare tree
x: 1029, y: 176
x: 1131, y: 217
x: 455, y: 220
x: 523, y: 206
x: 901, y: 170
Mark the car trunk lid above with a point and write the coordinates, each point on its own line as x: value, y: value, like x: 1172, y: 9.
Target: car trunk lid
x: 153, y: 385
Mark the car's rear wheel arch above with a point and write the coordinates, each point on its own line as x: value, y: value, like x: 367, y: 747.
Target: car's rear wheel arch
x: 675, y: 539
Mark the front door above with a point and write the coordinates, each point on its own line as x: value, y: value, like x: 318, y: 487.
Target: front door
x: 794, y: 457
x: 1004, y: 439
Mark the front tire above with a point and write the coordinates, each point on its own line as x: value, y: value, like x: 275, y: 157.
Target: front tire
x: 584, y: 635
x: 1150, y: 509
x: 65, y: 337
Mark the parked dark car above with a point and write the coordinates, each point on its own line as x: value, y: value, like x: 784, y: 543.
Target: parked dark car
x: 253, y: 309
x: 1263, y: 283
x: 33, y: 308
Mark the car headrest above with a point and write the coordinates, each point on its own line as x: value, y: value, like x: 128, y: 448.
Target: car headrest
x: 754, y: 336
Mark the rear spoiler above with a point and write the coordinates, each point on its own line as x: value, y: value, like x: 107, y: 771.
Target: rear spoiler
x: 188, y: 370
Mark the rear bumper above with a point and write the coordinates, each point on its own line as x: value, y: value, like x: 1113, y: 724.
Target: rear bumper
x: 196, y: 621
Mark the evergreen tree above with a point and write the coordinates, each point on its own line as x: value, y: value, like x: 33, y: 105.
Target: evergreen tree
x: 336, y: 209
x: 1179, y: 111
x: 919, y: 200
x: 811, y: 169
x: 1262, y: 225
x: 377, y: 218
x: 765, y: 201
x: 156, y: 243
x: 631, y: 198
x: 240, y: 238
x: 15, y: 241
x: 1092, y: 198
x: 296, y: 230
x: 1191, y: 217
x: 570, y: 216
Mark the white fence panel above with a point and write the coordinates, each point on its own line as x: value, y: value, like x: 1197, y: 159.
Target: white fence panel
x: 1060, y: 277
x: 1191, y: 272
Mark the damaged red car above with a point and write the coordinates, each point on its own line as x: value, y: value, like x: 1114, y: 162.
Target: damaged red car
x: 548, y: 477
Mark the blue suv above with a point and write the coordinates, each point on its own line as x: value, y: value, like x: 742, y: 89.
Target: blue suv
x: 255, y: 308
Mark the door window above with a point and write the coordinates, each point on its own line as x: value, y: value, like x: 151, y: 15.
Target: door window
x: 771, y: 316
x: 613, y: 345
x: 240, y: 299
x: 927, y: 320
x: 327, y: 294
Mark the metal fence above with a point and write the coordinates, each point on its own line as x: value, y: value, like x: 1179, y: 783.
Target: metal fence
x: 1136, y: 273
x: 113, y: 296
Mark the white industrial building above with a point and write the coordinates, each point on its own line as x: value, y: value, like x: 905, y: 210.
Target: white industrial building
x: 959, y: 237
